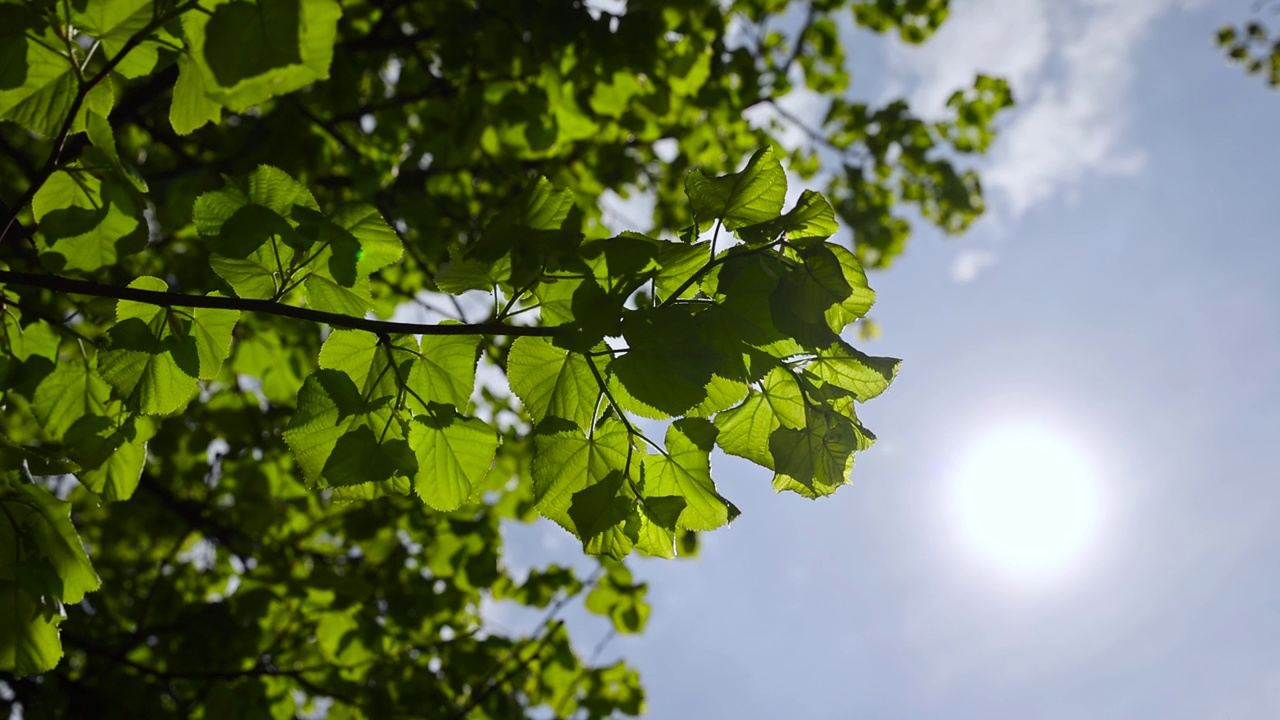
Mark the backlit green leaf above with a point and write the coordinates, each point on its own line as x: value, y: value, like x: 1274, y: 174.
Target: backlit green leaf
x: 746, y: 430
x: 192, y: 108
x: 567, y: 462
x: 751, y: 196
x: 45, y: 524
x: 811, y: 219
x: 446, y: 371
x: 114, y: 22
x: 86, y: 221
x: 845, y: 367
x: 552, y: 382
x: 454, y: 454
x: 45, y: 84
x: 251, y: 51
x: 153, y: 368
x: 685, y: 471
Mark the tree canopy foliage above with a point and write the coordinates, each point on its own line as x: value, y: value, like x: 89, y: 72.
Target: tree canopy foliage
x: 303, y: 298
x: 1253, y: 45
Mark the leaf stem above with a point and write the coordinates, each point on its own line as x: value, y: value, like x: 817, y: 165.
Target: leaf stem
x: 711, y: 264
x: 622, y: 415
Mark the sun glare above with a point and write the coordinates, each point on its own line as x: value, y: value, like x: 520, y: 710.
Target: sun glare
x: 1026, y: 499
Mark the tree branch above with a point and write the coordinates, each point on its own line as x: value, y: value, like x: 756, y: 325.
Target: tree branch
x: 67, y: 285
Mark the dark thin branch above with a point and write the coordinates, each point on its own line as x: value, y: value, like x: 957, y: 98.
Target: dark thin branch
x: 550, y: 624
x: 12, y: 213
x: 193, y: 513
x: 440, y: 88
x: 799, y: 47
x: 491, y: 686
x: 327, y: 127
x: 372, y: 42
x: 60, y: 284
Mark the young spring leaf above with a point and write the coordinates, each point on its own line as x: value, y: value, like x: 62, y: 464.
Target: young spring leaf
x: 551, y: 382
x: 454, y: 454
x: 87, y: 220
x: 251, y: 51
x: 567, y: 462
x: 754, y: 195
x: 812, y: 219
x: 844, y: 366
x: 685, y: 471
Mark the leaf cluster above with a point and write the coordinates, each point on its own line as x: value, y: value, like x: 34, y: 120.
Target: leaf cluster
x: 1253, y: 46
x: 302, y: 300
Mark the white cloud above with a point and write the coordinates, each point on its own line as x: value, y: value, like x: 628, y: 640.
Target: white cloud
x: 970, y: 263
x: 1070, y: 63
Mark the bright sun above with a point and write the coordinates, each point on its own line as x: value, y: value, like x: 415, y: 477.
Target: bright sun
x: 1027, y: 500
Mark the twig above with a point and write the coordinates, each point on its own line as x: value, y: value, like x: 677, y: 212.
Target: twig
x: 61, y: 284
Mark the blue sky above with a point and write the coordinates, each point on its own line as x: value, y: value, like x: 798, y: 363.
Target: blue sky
x: 1122, y: 291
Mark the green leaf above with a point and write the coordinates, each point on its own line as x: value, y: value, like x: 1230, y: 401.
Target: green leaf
x: 154, y: 355
x: 566, y: 462
x: 843, y: 366
x: 459, y: 275
x: 29, y: 643
x: 446, y: 371
x: 276, y: 362
x: 87, y: 222
x: 454, y: 454
x: 266, y: 186
x: 746, y: 430
x: 751, y: 196
x: 328, y: 296
x: 147, y: 363
x: 621, y: 600
x: 72, y: 391
x: 379, y: 246
x: 811, y: 219
x: 364, y: 492
x: 114, y: 22
x: 251, y: 51
x: 817, y: 458
x: 551, y: 382
x: 668, y: 363
x: 191, y: 108
x: 38, y: 459
x: 351, y: 351
x: 861, y: 297
x: 248, y: 278
x: 40, y: 86
x: 658, y: 518
x: 529, y: 234
x: 815, y: 301
x: 677, y: 262
x: 45, y: 524
x: 540, y: 588
x: 685, y: 471
x: 744, y: 287
x: 341, y: 436
x: 210, y: 330
x: 600, y: 514
x: 113, y: 456
x: 249, y: 226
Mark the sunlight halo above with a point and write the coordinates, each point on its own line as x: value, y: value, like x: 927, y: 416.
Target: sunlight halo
x: 1026, y: 500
